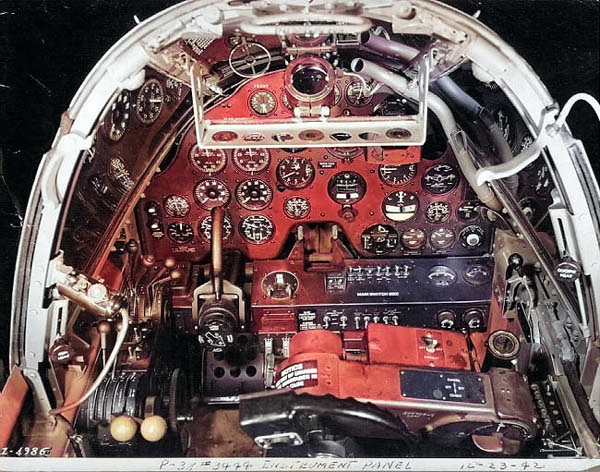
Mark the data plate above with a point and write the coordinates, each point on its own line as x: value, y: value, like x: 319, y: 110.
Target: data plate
x: 461, y: 387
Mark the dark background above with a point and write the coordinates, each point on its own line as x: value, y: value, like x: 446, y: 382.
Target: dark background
x: 47, y: 47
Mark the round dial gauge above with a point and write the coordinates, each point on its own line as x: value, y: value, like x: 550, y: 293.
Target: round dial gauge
x: 441, y: 276
x: 263, y: 102
x: 471, y: 236
x: 295, y: 172
x: 254, y: 194
x: 176, y: 206
x: 149, y: 102
x: 296, y: 207
x: 207, y: 161
x: 210, y: 193
x: 437, y: 212
x: 280, y: 285
x: 257, y: 229
x: 252, y: 160
x: 355, y: 94
x: 468, y: 210
x: 346, y: 188
x: 205, y: 228
x: 400, y: 205
x: 442, y: 238
x: 346, y: 153
x: 118, y: 171
x: 413, y: 238
x: 180, y: 233
x: 118, y: 116
x: 477, y: 274
x: 379, y: 239
x: 439, y: 179
x: 397, y: 175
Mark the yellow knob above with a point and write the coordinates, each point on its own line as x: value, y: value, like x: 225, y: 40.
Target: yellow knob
x: 123, y: 428
x: 153, y: 428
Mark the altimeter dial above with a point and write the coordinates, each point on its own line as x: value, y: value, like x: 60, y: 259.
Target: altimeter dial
x: 295, y: 172
x: 397, y: 175
x: 149, y: 102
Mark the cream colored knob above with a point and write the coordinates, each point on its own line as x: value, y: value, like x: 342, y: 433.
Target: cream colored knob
x: 153, y: 428
x: 123, y: 428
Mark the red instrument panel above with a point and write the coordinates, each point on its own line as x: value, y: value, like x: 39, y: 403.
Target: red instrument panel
x: 401, y: 209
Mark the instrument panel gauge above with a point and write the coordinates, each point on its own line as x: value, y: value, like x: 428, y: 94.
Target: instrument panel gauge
x: 468, y: 210
x: 207, y: 161
x: 379, y: 239
x: 346, y: 154
x: 118, y: 117
x: 356, y: 94
x: 251, y: 160
x: 295, y: 172
x: 296, y: 207
x: 180, y: 233
x: 280, y: 285
x: 413, y: 238
x: 400, y: 205
x: 263, y: 102
x: 119, y: 172
x: 149, y: 102
x: 438, y: 212
x: 346, y: 188
x: 176, y: 206
x: 205, y: 228
x: 440, y: 179
x: 210, y: 193
x: 442, y: 238
x: 254, y: 194
x: 441, y: 276
x: 477, y: 274
x: 397, y: 175
x: 257, y: 229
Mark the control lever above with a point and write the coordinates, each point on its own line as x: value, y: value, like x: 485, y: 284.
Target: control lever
x: 218, y: 305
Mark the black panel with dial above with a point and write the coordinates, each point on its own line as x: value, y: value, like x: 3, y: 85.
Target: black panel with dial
x: 149, y: 102
x: 180, y: 233
x: 397, y: 174
x: 346, y: 188
x: 379, y: 239
x: 400, y: 205
x: 117, y: 119
x: 440, y: 179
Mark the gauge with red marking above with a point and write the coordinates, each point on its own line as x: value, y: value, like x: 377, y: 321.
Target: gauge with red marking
x: 254, y: 194
x: 207, y: 161
x: 210, y: 193
x: 251, y: 160
x: 295, y: 172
